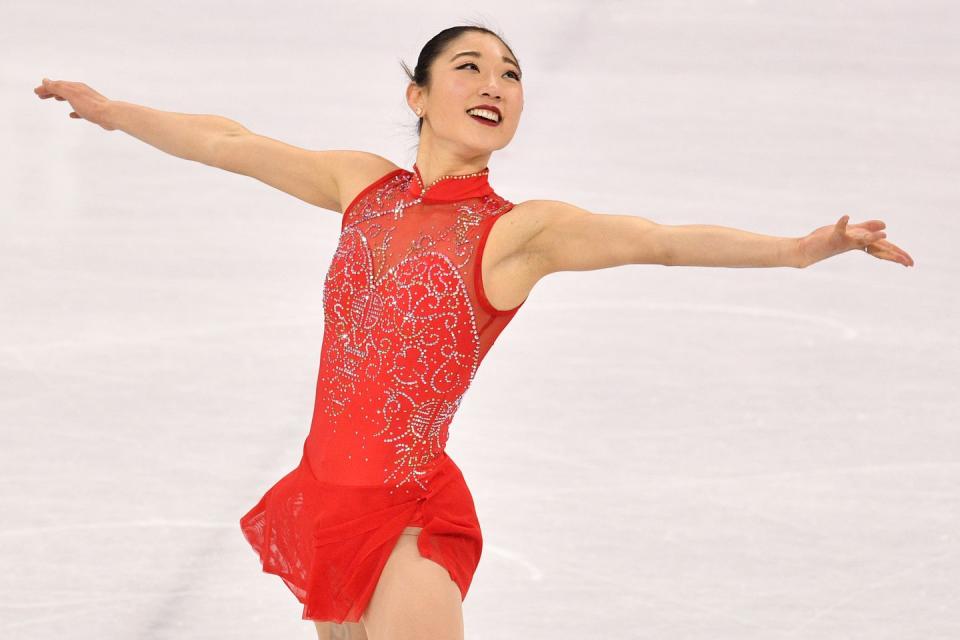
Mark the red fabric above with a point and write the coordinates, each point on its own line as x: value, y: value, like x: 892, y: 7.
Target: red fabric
x: 406, y: 324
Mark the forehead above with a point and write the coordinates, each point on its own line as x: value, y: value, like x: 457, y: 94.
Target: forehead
x: 484, y: 43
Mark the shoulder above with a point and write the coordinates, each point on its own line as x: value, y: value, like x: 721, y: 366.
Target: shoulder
x: 534, y: 220
x: 359, y: 170
x: 356, y: 159
x: 527, y: 231
x: 547, y: 209
x: 358, y: 166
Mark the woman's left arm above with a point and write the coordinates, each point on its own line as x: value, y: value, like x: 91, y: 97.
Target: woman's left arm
x: 568, y: 238
x: 715, y: 246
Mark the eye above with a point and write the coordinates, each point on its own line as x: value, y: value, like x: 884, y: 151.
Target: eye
x: 515, y: 74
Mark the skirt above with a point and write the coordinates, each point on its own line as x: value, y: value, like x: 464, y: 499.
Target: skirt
x: 329, y: 543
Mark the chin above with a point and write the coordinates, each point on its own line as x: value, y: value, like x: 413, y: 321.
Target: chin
x: 495, y: 142
x: 472, y: 148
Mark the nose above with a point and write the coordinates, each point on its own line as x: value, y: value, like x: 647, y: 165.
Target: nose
x: 492, y: 89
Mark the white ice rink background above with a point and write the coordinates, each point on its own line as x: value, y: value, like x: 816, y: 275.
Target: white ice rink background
x: 678, y: 453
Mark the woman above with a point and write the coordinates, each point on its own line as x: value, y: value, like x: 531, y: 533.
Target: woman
x: 375, y: 531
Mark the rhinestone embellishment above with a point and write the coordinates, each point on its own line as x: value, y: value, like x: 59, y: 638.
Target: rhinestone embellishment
x: 416, y: 174
x: 406, y: 333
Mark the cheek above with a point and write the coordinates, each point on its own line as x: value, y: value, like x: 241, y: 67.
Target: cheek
x: 458, y: 89
x: 455, y: 102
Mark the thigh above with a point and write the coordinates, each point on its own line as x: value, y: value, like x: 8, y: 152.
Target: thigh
x: 344, y: 631
x: 415, y: 598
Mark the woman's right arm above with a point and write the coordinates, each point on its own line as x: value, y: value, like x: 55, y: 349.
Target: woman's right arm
x: 311, y: 176
x: 325, y: 179
x: 185, y: 135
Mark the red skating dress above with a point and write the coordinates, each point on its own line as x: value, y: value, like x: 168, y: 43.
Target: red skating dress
x: 406, y: 324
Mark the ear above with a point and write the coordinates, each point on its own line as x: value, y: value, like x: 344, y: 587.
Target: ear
x: 414, y: 96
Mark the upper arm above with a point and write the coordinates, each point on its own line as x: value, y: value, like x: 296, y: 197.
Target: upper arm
x: 321, y: 178
x: 569, y: 238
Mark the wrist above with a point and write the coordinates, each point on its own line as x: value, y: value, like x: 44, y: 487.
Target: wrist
x: 113, y: 111
x: 794, y: 253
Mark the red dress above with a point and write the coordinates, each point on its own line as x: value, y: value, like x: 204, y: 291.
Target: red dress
x: 406, y: 324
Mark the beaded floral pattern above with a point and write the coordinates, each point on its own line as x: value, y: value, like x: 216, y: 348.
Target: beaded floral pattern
x: 401, y: 340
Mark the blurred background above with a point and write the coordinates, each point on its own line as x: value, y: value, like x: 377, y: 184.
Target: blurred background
x: 683, y: 453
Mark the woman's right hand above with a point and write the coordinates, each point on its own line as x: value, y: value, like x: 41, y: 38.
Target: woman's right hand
x: 86, y: 103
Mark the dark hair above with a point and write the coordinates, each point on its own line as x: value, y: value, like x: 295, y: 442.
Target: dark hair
x: 437, y: 45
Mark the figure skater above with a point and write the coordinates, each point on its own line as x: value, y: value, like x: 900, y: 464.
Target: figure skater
x: 375, y: 531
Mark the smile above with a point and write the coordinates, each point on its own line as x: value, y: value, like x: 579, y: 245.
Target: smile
x: 484, y: 121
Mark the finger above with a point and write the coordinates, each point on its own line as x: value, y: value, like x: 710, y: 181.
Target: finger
x: 887, y: 251
x: 886, y: 244
x: 900, y: 253
x: 864, y: 240
x: 840, y: 228
x: 872, y: 225
x: 55, y: 87
x: 889, y: 255
x: 50, y: 87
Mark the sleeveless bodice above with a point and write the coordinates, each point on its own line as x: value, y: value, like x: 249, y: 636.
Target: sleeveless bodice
x: 406, y: 325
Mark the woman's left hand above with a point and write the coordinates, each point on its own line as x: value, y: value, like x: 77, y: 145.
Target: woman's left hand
x: 833, y: 239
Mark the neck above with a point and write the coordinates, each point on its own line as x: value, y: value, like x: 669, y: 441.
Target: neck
x: 435, y: 160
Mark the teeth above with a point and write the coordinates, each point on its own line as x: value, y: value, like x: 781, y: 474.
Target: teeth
x: 484, y: 113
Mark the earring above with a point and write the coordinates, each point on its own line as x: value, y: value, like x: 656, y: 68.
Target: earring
x: 419, y: 111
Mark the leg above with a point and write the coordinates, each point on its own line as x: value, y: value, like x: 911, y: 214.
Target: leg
x: 345, y: 631
x: 415, y: 598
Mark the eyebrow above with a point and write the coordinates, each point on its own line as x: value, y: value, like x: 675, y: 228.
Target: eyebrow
x: 477, y: 54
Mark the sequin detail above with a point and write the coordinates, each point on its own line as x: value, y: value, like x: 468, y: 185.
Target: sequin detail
x: 402, y: 339
x: 408, y: 341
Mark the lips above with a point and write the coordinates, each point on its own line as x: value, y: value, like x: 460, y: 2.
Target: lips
x: 488, y: 107
x: 483, y: 121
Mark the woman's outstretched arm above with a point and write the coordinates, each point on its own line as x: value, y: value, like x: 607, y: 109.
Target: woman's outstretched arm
x: 568, y: 238
x: 185, y: 135
x: 327, y: 179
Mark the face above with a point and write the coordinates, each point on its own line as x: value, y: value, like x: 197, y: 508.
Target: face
x: 461, y: 82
